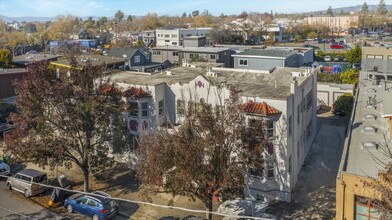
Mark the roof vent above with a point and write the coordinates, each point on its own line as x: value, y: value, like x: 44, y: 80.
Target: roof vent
x: 369, y: 129
x: 369, y: 117
x: 371, y: 90
x: 369, y: 145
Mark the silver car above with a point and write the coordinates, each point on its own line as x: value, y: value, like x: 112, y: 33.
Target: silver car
x: 24, y: 181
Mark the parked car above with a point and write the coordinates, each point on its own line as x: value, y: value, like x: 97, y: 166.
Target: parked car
x: 327, y: 58
x: 24, y: 180
x: 336, y: 46
x: 4, y: 168
x: 356, y: 66
x: 94, y: 206
x: 338, y: 113
x: 337, y: 59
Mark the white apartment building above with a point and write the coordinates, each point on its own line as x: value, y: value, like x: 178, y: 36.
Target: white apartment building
x: 286, y: 97
x: 176, y: 37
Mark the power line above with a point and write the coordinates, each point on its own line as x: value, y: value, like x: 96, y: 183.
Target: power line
x: 148, y: 203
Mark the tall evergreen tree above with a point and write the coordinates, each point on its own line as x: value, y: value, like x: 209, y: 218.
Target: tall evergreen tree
x: 382, y: 9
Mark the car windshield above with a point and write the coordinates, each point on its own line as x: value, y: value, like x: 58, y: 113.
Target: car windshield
x: 40, y: 179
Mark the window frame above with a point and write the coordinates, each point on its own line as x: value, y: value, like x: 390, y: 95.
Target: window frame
x: 144, y: 111
x: 135, y: 111
x: 243, y: 62
x: 270, y: 169
x: 136, y: 59
x: 161, y: 107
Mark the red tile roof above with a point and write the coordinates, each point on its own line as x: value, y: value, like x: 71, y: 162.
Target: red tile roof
x: 259, y: 108
x: 134, y: 92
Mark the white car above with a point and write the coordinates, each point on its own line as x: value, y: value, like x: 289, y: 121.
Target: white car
x: 327, y: 58
x: 4, y: 168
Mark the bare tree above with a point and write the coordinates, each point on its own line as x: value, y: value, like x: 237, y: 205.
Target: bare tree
x: 209, y: 153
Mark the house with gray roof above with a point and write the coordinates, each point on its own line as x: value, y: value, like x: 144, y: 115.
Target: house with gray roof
x: 137, y: 59
x: 265, y: 59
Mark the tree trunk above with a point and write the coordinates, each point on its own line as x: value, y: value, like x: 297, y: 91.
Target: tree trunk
x: 86, y: 173
x: 209, y: 207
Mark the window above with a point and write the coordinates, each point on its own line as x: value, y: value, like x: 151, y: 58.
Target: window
x: 136, y: 59
x: 144, y: 109
x: 174, y: 36
x: 180, y: 107
x: 270, y: 169
x: 160, y: 104
x: 156, y: 52
x: 167, y: 35
x: 175, y: 53
x: 290, y: 126
x: 270, y: 129
x: 309, y: 99
x: 298, y: 115
x: 298, y: 152
x: 370, y: 56
x: 309, y: 130
x: 192, y: 55
x: 92, y: 203
x: 378, y: 57
x: 290, y: 164
x: 26, y: 178
x: 389, y: 57
x: 82, y: 200
x: 167, y: 41
x: 174, y: 43
x: 212, y: 57
x: 364, y: 209
x: 243, y: 62
x: 133, y: 109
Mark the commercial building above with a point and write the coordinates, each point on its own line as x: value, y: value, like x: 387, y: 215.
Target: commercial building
x: 7, y: 78
x: 336, y: 24
x: 368, y: 137
x: 284, y: 97
x: 176, y: 37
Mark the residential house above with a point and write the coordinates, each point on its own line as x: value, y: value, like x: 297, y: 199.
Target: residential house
x: 82, y: 34
x: 368, y: 139
x: 285, y: 98
x: 181, y: 55
x: 137, y: 59
x: 7, y: 78
x: 175, y: 37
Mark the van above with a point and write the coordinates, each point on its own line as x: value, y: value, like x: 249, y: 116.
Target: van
x: 24, y: 180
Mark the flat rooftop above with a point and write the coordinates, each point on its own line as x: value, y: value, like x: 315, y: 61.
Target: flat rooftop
x: 95, y: 59
x: 274, y: 85
x: 31, y: 58
x: 280, y: 53
x: 13, y: 70
x: 192, y: 49
x: 374, y: 102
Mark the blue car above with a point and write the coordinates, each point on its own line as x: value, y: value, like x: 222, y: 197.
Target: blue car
x: 94, y: 206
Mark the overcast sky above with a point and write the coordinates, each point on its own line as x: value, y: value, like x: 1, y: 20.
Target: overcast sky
x: 52, y: 8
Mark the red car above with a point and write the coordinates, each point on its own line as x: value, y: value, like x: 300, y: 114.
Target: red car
x: 336, y: 46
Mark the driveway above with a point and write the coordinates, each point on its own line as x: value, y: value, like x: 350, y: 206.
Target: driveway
x: 314, y: 194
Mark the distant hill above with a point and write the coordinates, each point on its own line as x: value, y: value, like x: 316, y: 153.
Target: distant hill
x: 30, y: 19
x: 356, y: 8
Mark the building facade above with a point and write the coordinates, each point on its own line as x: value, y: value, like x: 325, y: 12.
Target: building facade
x: 336, y: 24
x: 264, y: 59
x: 290, y: 110
x: 176, y: 37
x: 7, y: 78
x: 181, y: 55
x: 368, y: 136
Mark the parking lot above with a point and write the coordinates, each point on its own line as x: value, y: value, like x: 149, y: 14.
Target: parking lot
x: 314, y: 194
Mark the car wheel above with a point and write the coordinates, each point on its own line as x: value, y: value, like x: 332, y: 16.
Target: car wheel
x: 27, y: 193
x: 69, y: 208
x: 9, y: 186
x: 95, y: 217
